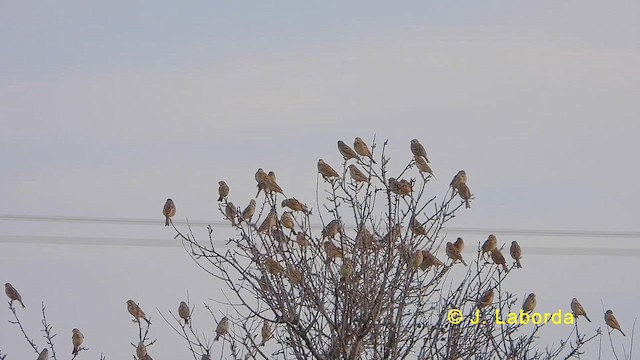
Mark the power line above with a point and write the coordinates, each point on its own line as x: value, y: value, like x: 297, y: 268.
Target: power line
x: 156, y: 222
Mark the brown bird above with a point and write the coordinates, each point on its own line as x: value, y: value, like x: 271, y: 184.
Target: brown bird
x: 44, y: 354
x: 273, y: 267
x: 269, y: 183
x: 423, y: 166
x: 247, y: 213
x: 260, y: 177
x: 364, y: 238
x: 169, y: 211
x: 459, y: 178
x: 141, y: 351
x: 302, y: 240
x: 279, y: 236
x: 223, y: 190
x: 326, y: 170
x: 578, y: 310
x: 13, y: 294
x: 76, y: 339
x: 489, y: 245
x: 222, y: 329
x: 362, y: 149
x: 231, y: 212
x: 346, y: 270
x: 272, y: 176
x: 485, y: 299
x: 416, y: 227
x: 465, y: 194
x: 295, y: 276
x: 393, y: 235
x: 332, y: 250
x: 346, y: 152
x: 416, y: 260
x: 393, y: 186
x: 428, y: 260
x: 135, y: 311
x: 454, y: 254
x: 183, y: 312
x: 266, y: 332
x: 499, y: 259
x: 269, y: 222
x: 356, y: 174
x: 459, y: 244
x: 612, y: 321
x: 516, y: 253
x: 287, y: 220
x: 332, y: 228
x: 405, y: 187
x: 295, y: 205
x: 529, y: 303
x: 418, y: 150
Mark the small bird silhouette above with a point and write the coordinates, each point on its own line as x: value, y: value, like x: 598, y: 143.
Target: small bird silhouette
x: 499, y: 259
x: 516, y: 253
x: 183, y: 312
x: 327, y: 171
x: 223, y: 190
x: 489, y: 245
x: 578, y: 310
x: 611, y: 320
x: 454, y: 254
x: 529, y: 303
x: 13, y: 294
x: 485, y: 299
x: 418, y: 150
x: 356, y: 174
x: 346, y: 152
x: 222, y: 329
x: 169, y: 211
x: 362, y: 149
x: 135, y: 311
x: 76, y: 339
x: 247, y: 213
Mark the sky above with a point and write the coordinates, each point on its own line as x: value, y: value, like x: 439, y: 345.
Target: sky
x: 107, y: 109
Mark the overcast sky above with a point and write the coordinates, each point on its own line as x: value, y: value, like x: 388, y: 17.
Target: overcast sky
x: 108, y: 109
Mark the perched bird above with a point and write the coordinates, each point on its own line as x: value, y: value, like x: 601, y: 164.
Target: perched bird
x: 578, y: 310
x: 405, y: 187
x: 169, y: 211
x: 485, y: 299
x: 332, y: 229
x: 272, y: 176
x: 332, y: 250
x: 76, y: 339
x: 393, y: 186
x: 499, y: 259
x: 222, y: 329
x: 266, y: 332
x: 429, y: 260
x: 141, y: 351
x: 223, y: 190
x: 459, y: 244
x: 364, y: 238
x: 13, y: 294
x: 418, y: 150
x: 287, y: 221
x: 395, y: 232
x: 295, y: 276
x: 346, y: 269
x: 231, y: 212
x: 489, y: 245
x: 295, y: 205
x: 459, y: 178
x: 273, y: 267
x: 44, y: 354
x: 136, y: 311
x: 416, y: 260
x: 326, y: 170
x: 346, y: 152
x: 271, y: 185
x: 205, y: 357
x: 183, y: 312
x: 465, y: 194
x: 260, y: 177
x: 529, y: 303
x: 356, y: 174
x: 279, y: 236
x: 269, y: 222
x: 516, y: 253
x: 247, y: 213
x: 611, y: 320
x: 362, y: 149
x: 454, y: 254
x: 416, y: 227
x: 302, y: 240
x: 423, y: 166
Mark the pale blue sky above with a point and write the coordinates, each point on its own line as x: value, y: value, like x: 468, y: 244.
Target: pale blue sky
x: 107, y: 109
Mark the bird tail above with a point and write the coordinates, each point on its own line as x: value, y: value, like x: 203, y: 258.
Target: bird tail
x: 504, y: 266
x: 21, y: 303
x: 520, y: 266
x: 166, y: 221
x: 217, y: 337
x: 463, y: 262
x: 220, y: 198
x: 585, y: 316
x: 621, y: 332
x: 74, y: 351
x: 147, y: 320
x: 466, y: 203
x: 186, y: 321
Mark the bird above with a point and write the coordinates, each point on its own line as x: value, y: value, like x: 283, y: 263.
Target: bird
x: 269, y: 183
x: 231, y: 213
x: 611, y: 320
x: 287, y: 220
x: 332, y: 250
x: 302, y: 240
x: 268, y: 222
x: 423, y: 166
x: 405, y: 187
x: 272, y: 175
x: 347, y: 152
x: 141, y: 351
x: 135, y: 311
x: 578, y: 310
x: 395, y: 232
x: 76, y: 339
x: 331, y: 229
x: 485, y: 299
x: 247, y: 213
x: 490, y: 244
x: 205, y: 357
x: 356, y: 174
x: 416, y: 227
x: 222, y: 329
x: 273, y: 267
x: 362, y: 149
x: 260, y: 177
x: 266, y: 332
x: 183, y: 312
x: 393, y: 186
x: 418, y: 150
x: 346, y: 270
x: 295, y: 276
x: 459, y: 244
x: 416, y: 260
x: 13, y: 294
x: 459, y: 178
x: 279, y: 236
x: 465, y: 194
x: 499, y: 259
x: 295, y: 205
x: 223, y: 190
x: 326, y: 170
x: 516, y: 253
x: 169, y: 211
x: 529, y: 303
x: 44, y: 354
x: 428, y: 260
x: 364, y: 238
x: 454, y: 254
